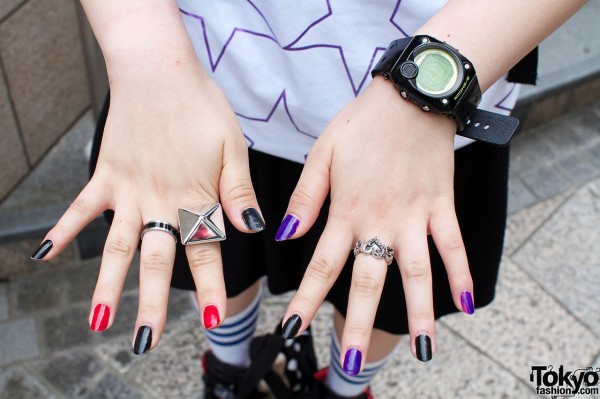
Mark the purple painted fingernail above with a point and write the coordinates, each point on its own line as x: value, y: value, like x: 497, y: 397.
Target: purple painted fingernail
x: 466, y: 300
x: 352, y: 361
x: 288, y: 228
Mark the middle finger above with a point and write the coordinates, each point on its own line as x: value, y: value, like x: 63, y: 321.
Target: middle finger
x: 156, y: 265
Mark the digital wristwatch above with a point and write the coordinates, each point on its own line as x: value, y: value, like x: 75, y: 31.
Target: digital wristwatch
x: 437, y: 78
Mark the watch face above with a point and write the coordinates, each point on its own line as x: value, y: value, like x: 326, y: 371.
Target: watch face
x: 439, y: 73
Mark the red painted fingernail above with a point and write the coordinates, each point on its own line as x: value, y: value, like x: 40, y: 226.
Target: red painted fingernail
x: 211, y: 317
x: 100, y: 318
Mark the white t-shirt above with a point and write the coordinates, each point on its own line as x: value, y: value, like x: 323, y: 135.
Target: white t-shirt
x: 287, y: 67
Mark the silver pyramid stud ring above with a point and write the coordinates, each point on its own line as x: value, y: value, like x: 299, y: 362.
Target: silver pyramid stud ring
x: 202, y: 225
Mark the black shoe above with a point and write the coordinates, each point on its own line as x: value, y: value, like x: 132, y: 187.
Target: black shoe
x: 282, y: 368
x: 222, y: 380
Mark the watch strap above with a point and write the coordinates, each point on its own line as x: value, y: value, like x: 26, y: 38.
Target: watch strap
x: 486, y: 126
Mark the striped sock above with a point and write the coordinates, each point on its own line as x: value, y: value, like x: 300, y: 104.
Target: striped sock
x: 341, y: 383
x: 230, y: 342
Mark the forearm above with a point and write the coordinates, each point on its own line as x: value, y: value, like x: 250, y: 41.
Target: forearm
x: 495, y: 35
x: 141, y: 38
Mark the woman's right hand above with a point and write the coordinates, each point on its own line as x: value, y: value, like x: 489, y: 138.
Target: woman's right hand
x: 171, y: 141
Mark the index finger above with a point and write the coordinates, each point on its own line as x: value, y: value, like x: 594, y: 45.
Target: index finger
x: 322, y: 272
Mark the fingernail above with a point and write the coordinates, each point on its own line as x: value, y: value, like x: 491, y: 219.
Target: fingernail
x: 143, y: 340
x: 253, y: 220
x: 423, y: 346
x: 100, y: 318
x: 466, y: 300
x: 288, y: 228
x: 352, y: 361
x: 42, y: 250
x: 291, y: 326
x: 211, y: 317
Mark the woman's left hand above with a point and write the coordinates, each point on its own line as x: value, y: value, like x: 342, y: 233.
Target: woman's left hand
x: 390, y: 168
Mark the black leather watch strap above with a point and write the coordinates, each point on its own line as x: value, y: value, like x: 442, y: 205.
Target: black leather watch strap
x: 486, y: 126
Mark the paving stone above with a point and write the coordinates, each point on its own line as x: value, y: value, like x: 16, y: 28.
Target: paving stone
x: 519, y: 196
x: 39, y: 291
x: 21, y: 334
x: 6, y: 6
x: 70, y: 373
x: 457, y: 370
x: 112, y: 387
x: 16, y: 258
x: 172, y: 370
x: 595, y: 154
x: 3, y: 301
x: 562, y: 136
x: 118, y: 354
x: 520, y: 225
x: 124, y: 321
x: 42, y: 55
x: 578, y: 169
x: 525, y: 326
x: 545, y: 181
x: 16, y: 383
x: 530, y: 151
x: 564, y: 255
x: 82, y: 280
x: 67, y: 329
x: 180, y: 306
x: 13, y: 161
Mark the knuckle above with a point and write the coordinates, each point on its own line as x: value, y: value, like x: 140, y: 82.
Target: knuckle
x: 156, y: 261
x: 321, y: 269
x: 366, y: 285
x: 150, y: 309
x: 209, y: 295
x: 241, y: 191
x: 416, y: 270
x: 119, y: 248
x: 301, y: 197
x: 422, y: 315
x: 453, y: 244
x: 79, y: 206
x: 202, y: 257
x: 358, y: 332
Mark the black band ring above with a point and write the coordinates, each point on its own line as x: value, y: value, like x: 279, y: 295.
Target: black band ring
x: 161, y: 226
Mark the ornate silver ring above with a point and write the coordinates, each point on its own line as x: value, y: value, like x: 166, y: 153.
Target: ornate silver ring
x: 160, y: 226
x: 375, y: 248
x: 202, y: 226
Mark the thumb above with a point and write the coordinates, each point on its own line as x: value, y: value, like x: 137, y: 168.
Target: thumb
x: 236, y: 191
x: 309, y: 194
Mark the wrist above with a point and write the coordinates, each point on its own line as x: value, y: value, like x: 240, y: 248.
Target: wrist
x: 385, y: 93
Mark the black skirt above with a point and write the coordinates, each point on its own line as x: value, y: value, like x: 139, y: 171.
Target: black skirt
x: 481, y: 177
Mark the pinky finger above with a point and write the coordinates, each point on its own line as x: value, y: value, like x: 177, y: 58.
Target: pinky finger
x: 89, y: 204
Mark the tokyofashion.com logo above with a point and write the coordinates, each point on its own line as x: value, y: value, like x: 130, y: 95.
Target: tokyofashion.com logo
x: 563, y: 383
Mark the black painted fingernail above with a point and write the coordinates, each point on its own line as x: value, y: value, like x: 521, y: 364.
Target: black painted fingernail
x: 253, y: 220
x: 291, y: 326
x: 42, y: 250
x: 143, y: 340
x: 287, y: 228
x: 423, y: 346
